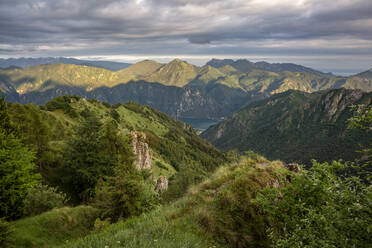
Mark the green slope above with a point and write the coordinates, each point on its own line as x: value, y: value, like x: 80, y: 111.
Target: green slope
x: 175, y: 73
x: 295, y: 126
x: 175, y: 146
x: 215, y: 213
x: 140, y: 69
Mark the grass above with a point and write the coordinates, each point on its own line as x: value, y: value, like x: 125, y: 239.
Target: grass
x: 215, y: 213
x: 53, y: 227
x: 152, y: 230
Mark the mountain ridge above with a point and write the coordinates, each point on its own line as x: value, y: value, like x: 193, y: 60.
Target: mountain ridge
x: 26, y: 62
x: 295, y: 126
x: 220, y: 91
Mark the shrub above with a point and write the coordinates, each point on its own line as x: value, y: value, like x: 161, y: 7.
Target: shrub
x: 42, y: 198
x: 16, y: 175
x: 4, y: 233
x: 319, y: 209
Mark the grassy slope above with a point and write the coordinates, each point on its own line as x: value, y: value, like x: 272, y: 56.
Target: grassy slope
x: 215, y: 213
x: 53, y: 227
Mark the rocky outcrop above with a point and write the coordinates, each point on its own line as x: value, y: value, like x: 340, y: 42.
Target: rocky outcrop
x: 142, y: 151
x: 293, y: 167
x: 161, y: 185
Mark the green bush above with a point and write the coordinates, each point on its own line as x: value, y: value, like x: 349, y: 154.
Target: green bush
x: 42, y: 198
x: 4, y: 233
x: 16, y: 175
x: 124, y: 195
x: 319, y: 209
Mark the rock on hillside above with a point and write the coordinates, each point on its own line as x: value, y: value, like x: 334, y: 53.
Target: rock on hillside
x: 142, y: 151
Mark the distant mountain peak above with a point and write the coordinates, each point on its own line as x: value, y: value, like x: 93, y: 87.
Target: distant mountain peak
x: 245, y: 66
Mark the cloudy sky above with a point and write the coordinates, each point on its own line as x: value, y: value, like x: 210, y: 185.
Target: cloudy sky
x: 330, y: 35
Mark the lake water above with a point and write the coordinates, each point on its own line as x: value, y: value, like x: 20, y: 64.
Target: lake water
x: 199, y: 124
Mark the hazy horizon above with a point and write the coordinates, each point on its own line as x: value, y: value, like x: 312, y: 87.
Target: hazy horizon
x: 322, y: 34
x: 202, y: 60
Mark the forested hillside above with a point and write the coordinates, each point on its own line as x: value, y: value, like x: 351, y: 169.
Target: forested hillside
x: 296, y: 127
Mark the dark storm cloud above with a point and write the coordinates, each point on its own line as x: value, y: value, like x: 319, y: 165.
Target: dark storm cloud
x: 94, y: 27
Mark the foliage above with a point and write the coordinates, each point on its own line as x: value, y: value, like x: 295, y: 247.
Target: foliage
x: 63, y: 103
x: 319, y: 209
x: 5, y: 232
x: 17, y: 174
x: 362, y: 117
x: 124, y: 193
x: 295, y: 127
x: 42, y: 198
x: 85, y: 160
x: 17, y: 170
x: 5, y: 125
x: 119, y: 197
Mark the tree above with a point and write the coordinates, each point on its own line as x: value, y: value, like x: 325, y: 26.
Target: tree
x: 17, y: 170
x: 85, y: 160
x: 5, y: 125
x: 124, y: 193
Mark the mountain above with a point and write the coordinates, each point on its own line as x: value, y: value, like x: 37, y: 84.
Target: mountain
x: 175, y: 73
x: 140, y: 69
x: 26, y: 62
x: 295, y: 126
x: 177, y: 88
x: 244, y: 65
x: 365, y: 74
x: 219, y: 62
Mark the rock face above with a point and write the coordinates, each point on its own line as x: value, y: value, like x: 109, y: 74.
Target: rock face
x: 142, y: 151
x: 161, y: 185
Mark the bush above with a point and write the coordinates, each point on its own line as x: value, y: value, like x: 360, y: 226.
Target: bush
x: 319, y: 209
x: 42, y: 198
x: 125, y: 194
x: 4, y: 233
x: 16, y: 175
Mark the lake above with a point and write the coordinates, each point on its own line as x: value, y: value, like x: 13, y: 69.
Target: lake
x: 199, y: 124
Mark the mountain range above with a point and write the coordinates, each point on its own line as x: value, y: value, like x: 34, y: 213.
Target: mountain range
x: 26, y: 62
x: 295, y: 126
x: 177, y: 88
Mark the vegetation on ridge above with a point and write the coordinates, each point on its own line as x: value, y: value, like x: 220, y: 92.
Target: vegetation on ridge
x: 295, y: 127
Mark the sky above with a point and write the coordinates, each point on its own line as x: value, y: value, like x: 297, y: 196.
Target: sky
x: 328, y: 35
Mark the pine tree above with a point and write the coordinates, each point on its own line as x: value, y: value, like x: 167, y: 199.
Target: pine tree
x: 85, y: 160
x: 17, y: 170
